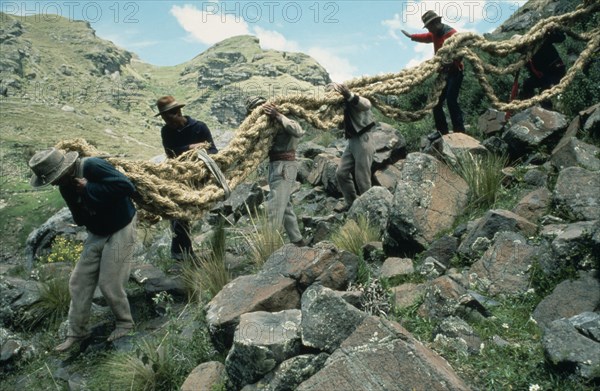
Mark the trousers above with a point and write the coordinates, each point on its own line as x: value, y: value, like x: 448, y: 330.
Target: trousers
x: 282, y: 177
x: 450, y: 95
x: 356, y: 161
x: 105, y: 262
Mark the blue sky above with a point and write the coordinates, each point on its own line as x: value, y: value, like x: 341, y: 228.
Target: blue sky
x: 349, y: 38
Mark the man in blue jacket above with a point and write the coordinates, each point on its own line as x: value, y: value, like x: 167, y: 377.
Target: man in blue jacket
x: 180, y: 134
x: 99, y: 198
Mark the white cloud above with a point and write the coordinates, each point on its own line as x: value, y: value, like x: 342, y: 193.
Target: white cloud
x: 209, y: 27
x: 339, y: 68
x: 270, y: 39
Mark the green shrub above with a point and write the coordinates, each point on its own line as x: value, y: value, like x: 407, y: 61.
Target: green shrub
x: 64, y: 250
x: 484, y: 176
x: 353, y: 235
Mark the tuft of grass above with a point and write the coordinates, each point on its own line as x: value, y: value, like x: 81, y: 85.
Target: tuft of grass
x: 483, y: 174
x: 264, y: 238
x: 157, y: 363
x: 207, y: 273
x: 53, y: 304
x: 353, y: 235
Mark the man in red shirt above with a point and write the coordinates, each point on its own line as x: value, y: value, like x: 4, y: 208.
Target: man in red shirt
x: 438, y: 33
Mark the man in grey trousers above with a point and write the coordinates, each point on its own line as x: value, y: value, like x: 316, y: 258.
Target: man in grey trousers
x: 283, y: 169
x: 357, y: 158
x: 99, y: 197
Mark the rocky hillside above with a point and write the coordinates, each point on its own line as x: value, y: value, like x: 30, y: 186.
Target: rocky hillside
x: 58, y: 81
x: 480, y: 271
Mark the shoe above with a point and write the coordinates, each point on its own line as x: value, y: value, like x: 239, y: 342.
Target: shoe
x: 341, y: 207
x: 434, y: 136
x: 118, y: 333
x: 68, y: 344
x: 177, y: 256
x: 301, y: 243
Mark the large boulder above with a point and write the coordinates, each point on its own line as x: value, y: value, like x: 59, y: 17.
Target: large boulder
x: 568, y: 299
x: 262, y: 340
x: 205, y: 377
x: 576, y: 153
x: 375, y: 205
x: 382, y: 356
x: 494, y: 221
x: 427, y: 200
x: 390, y: 145
x: 327, y: 320
x: 572, y: 344
x: 504, y: 267
x: 325, y: 264
x: 61, y: 223
x: 576, y: 193
x: 259, y: 292
x: 290, y: 373
x: 533, y: 129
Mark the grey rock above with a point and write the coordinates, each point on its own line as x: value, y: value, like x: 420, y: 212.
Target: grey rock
x: 569, y: 298
x: 504, y: 267
x: 576, y: 153
x: 327, y: 320
x: 390, y: 145
x: 290, y: 373
x: 567, y: 348
x: 491, y: 122
x: 374, y: 205
x: 533, y: 128
x: 534, y: 205
x: 262, y: 340
x: 576, y: 193
x: 495, y: 220
x: 260, y: 292
x: 332, y: 268
x: 427, y: 200
x: 376, y: 355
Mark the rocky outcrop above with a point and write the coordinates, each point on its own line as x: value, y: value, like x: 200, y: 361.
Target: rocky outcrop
x: 427, y: 199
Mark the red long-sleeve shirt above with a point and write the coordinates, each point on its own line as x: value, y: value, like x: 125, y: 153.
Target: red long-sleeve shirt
x: 438, y: 40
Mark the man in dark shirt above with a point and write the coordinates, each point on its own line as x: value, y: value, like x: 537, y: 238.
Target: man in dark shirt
x: 545, y: 67
x: 438, y: 34
x: 180, y: 134
x: 99, y: 198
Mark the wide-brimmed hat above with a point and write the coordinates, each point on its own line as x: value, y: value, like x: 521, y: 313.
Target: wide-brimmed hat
x: 429, y: 17
x: 50, y: 165
x: 167, y: 103
x: 253, y: 102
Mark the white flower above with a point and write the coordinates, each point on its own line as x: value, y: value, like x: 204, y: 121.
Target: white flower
x: 505, y: 326
x: 534, y: 387
x: 531, y: 291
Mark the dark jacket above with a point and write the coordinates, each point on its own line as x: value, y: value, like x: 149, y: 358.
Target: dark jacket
x: 177, y: 141
x: 105, y: 205
x: 546, y: 61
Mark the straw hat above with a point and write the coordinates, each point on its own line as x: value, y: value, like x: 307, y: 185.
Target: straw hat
x: 253, y: 102
x: 50, y: 165
x: 167, y: 103
x: 429, y: 17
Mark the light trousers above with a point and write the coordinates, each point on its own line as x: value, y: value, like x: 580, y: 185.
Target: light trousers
x: 282, y: 177
x: 356, y: 161
x: 105, y: 262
